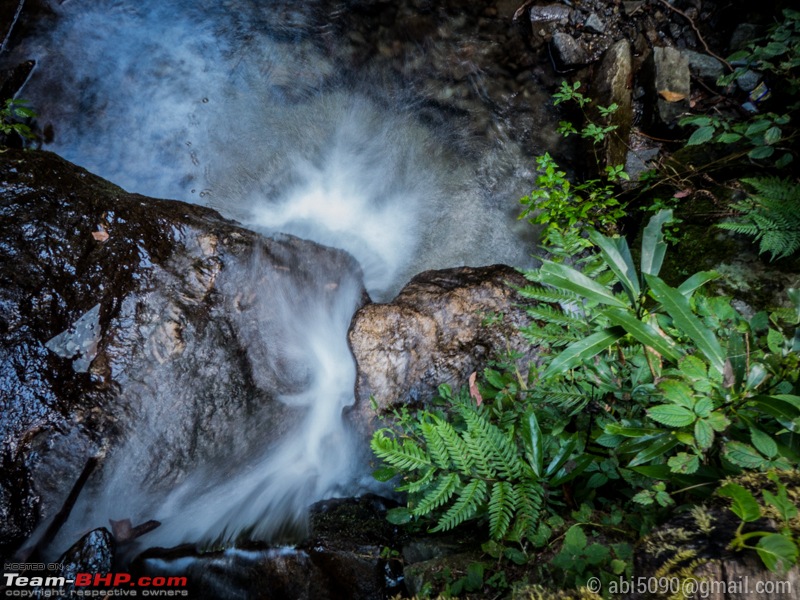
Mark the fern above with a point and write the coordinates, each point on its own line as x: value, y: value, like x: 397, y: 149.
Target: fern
x: 407, y: 456
x: 502, y: 504
x: 470, y: 499
x: 439, y: 495
x: 771, y: 215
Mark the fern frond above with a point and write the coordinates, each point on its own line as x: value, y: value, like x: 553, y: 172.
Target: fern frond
x: 548, y: 294
x: 416, y: 486
x: 502, y: 453
x: 470, y: 498
x: 555, y: 315
x: 529, y: 502
x: 438, y: 495
x: 502, y: 504
x: 407, y: 456
x: 436, y: 445
x: 457, y: 448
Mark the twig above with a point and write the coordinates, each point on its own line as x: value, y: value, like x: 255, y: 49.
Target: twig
x: 697, y: 31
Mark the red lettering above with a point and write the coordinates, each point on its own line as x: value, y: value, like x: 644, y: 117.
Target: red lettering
x: 121, y: 578
x: 82, y: 579
x: 103, y: 579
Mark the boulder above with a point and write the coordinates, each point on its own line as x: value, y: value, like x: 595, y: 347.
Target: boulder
x: 668, y: 85
x: 567, y: 53
x: 154, y: 326
x: 93, y: 553
x: 435, y: 331
x: 613, y: 85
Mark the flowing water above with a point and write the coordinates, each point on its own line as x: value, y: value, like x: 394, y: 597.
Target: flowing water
x: 394, y: 131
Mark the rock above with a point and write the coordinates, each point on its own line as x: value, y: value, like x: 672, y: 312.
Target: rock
x: 612, y: 83
x: 632, y: 7
x: 156, y: 338
x: 694, y: 546
x: 93, y: 553
x: 567, y: 52
x: 668, y: 86
x: 743, y: 35
x: 748, y: 81
x: 433, y: 332
x: 550, y: 12
x: 341, y: 558
x: 595, y: 24
x: 704, y: 66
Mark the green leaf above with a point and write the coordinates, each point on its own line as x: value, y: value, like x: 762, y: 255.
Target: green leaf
x: 568, y: 278
x: 643, y: 333
x: 764, y: 443
x: 614, y: 429
x: 653, y: 246
x: 534, y: 444
x: 786, y: 508
x: 618, y: 258
x: 703, y: 407
x: 671, y: 415
x: 718, y: 421
x: 772, y: 135
x: 777, y: 551
x: 744, y: 504
x: 677, y: 392
x: 576, y: 353
x: 677, y: 306
x: 657, y: 447
x: 703, y: 434
x: 743, y: 455
x: 696, y: 281
x: 701, y: 135
x: 384, y: 474
x: 728, y: 138
x: 398, y: 516
x: 575, y: 539
x: 684, y: 463
x: 774, y: 341
x: 563, y: 455
x: 761, y: 152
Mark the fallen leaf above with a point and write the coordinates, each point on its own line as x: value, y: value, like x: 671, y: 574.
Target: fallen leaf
x: 100, y: 236
x: 473, y: 389
x: 671, y: 96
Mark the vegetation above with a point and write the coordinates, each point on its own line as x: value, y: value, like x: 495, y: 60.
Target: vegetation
x: 13, y: 115
x: 648, y: 397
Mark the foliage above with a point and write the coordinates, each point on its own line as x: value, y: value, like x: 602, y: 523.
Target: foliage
x: 644, y: 392
x: 556, y: 202
x: 766, y: 137
x: 12, y: 115
x: 771, y: 215
x: 778, y: 550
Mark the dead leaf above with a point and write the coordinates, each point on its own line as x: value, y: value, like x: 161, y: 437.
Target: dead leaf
x: 473, y: 389
x: 682, y: 193
x: 670, y: 96
x: 100, y: 236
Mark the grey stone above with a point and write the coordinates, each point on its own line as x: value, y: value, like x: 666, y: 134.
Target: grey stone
x: 671, y: 83
x: 743, y: 35
x: 632, y: 7
x: 550, y: 12
x: 704, y: 66
x: 637, y: 161
x: 748, y: 81
x: 595, y: 24
x: 613, y: 86
x: 567, y: 52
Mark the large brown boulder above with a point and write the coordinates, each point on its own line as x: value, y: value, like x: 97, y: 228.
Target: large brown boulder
x: 443, y: 326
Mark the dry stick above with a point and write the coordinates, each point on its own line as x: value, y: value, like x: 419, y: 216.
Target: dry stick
x: 697, y: 31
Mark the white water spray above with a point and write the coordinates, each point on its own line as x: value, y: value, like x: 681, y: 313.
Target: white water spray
x: 235, y: 105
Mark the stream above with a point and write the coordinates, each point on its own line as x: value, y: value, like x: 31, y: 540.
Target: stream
x: 399, y: 132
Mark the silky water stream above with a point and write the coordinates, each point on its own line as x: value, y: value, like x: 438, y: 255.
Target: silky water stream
x: 386, y: 130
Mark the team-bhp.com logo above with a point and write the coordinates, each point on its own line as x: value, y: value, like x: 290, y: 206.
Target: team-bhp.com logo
x: 92, y: 585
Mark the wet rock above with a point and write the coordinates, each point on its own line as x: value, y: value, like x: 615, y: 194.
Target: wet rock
x: 550, y: 12
x: 93, y: 553
x: 668, y: 84
x: 743, y: 35
x: 595, y: 24
x: 170, y: 325
x: 434, y: 332
x: 704, y: 66
x: 341, y: 558
x: 567, y: 53
x: 748, y: 81
x: 612, y: 84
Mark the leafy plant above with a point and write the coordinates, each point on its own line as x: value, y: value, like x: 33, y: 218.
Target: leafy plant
x: 561, y: 205
x: 771, y: 215
x: 778, y: 550
x: 12, y: 115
